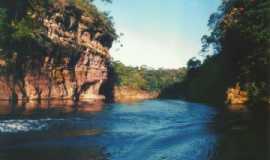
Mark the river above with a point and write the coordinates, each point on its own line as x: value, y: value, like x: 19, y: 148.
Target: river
x: 149, y: 130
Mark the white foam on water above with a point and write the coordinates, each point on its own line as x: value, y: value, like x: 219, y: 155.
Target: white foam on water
x: 15, y: 126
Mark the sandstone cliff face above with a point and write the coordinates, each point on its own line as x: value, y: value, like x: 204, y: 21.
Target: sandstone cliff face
x: 235, y: 96
x: 74, y: 65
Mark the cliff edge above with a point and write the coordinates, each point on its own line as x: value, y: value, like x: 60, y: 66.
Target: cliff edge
x: 74, y: 59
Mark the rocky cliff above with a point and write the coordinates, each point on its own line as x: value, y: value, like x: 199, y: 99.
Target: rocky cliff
x: 74, y: 63
x: 236, y: 96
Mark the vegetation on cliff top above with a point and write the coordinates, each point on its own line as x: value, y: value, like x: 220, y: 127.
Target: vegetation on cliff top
x: 240, y: 39
x: 23, y: 39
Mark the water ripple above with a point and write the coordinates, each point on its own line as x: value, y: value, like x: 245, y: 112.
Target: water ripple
x: 23, y: 125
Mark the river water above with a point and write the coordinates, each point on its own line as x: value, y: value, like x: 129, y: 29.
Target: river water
x: 149, y: 130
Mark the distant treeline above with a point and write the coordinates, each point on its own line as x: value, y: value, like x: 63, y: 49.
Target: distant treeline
x: 146, y: 78
x: 240, y: 39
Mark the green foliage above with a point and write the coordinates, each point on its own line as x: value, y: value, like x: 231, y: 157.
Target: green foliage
x: 146, y: 78
x: 23, y: 29
x: 2, y: 18
x: 3, y: 27
x: 23, y: 39
x: 103, y: 21
x: 22, y: 16
x: 128, y: 76
x: 244, y: 40
x: 240, y: 38
x: 193, y: 63
x: 205, y: 83
x: 18, y: 37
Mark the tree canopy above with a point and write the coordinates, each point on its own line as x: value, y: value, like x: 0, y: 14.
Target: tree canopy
x: 146, y: 78
x: 240, y: 38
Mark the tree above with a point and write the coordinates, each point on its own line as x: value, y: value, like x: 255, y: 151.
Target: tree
x: 240, y: 37
x: 146, y: 78
x: 193, y: 63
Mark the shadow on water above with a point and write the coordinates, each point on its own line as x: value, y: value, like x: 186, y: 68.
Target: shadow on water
x: 243, y: 134
x: 50, y: 153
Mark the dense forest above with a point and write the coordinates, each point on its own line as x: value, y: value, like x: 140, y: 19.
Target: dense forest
x: 239, y: 40
x: 146, y: 78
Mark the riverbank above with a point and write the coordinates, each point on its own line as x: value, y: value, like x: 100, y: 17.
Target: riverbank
x: 129, y: 94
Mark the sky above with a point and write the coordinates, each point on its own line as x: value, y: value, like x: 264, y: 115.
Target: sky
x: 159, y: 33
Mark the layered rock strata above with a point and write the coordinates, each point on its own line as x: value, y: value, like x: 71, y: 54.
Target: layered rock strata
x: 74, y: 65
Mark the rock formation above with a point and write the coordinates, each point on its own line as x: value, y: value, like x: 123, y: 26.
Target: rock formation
x: 235, y: 96
x: 128, y: 94
x: 74, y: 65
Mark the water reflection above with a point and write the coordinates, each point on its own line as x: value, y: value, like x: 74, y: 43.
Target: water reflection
x: 243, y: 134
x: 50, y: 130
x: 51, y: 106
x: 149, y: 130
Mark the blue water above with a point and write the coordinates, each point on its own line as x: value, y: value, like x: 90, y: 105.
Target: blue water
x: 149, y: 130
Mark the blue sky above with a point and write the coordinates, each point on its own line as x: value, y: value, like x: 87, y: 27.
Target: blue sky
x: 159, y: 33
